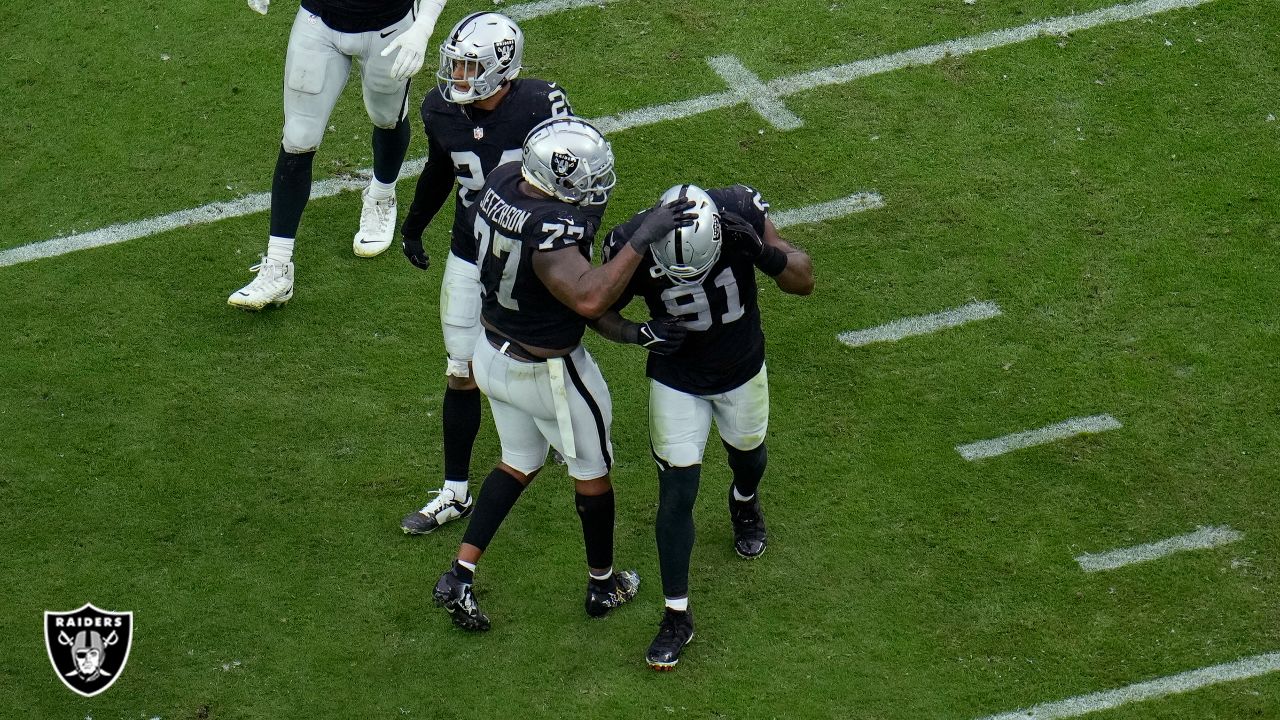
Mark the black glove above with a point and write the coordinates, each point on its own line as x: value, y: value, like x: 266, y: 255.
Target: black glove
x: 741, y: 235
x: 413, y: 250
x: 743, y: 238
x: 661, y: 220
x: 661, y: 335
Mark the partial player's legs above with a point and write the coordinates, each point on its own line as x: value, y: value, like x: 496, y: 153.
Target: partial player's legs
x: 678, y: 428
x: 460, y: 320
x: 315, y: 72
x: 387, y: 102
x: 742, y: 416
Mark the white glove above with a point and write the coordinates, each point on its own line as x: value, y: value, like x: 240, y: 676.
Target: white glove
x: 259, y: 6
x: 412, y: 43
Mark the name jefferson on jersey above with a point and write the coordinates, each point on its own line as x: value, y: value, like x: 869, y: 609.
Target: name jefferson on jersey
x: 508, y: 227
x: 725, y: 346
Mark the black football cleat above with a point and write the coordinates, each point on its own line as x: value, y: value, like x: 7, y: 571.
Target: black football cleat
x: 457, y: 599
x: 750, y: 537
x: 443, y: 508
x: 674, y: 632
x: 617, y: 590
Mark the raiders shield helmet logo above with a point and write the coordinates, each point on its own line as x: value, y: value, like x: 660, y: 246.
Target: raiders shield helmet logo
x: 504, y: 50
x: 88, y: 647
x: 563, y: 164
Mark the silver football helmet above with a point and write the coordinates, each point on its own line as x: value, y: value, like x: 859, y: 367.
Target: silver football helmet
x: 568, y: 158
x: 687, y: 254
x: 483, y: 51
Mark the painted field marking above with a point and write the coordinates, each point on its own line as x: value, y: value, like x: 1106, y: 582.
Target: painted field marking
x: 1241, y: 669
x: 1202, y: 539
x: 750, y: 90
x: 927, y: 55
x: 848, y: 205
x: 777, y: 88
x: 1040, y: 436
x: 530, y: 10
x: 921, y: 324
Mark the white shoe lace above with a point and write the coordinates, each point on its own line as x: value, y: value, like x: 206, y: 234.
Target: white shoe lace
x: 269, y: 271
x: 376, y: 215
x: 439, y: 502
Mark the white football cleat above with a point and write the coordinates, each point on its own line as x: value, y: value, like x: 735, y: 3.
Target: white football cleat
x: 274, y: 284
x: 377, y: 226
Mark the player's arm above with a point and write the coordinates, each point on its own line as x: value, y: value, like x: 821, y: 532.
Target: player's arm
x: 434, y: 185
x: 796, y: 276
x: 788, y: 265
x: 591, y: 291
x: 661, y: 335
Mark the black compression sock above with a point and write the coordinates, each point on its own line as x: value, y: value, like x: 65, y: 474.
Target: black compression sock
x: 677, y: 491
x: 290, y: 190
x: 596, y: 513
x: 461, y: 419
x: 389, y: 148
x: 498, y: 495
x: 748, y: 467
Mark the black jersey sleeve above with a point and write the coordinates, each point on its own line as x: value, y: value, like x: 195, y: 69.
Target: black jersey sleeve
x: 434, y: 185
x: 744, y: 201
x: 559, y: 230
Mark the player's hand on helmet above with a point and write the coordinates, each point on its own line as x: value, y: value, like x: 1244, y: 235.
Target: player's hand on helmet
x: 662, y: 335
x: 416, y: 254
x: 259, y: 6
x: 741, y: 235
x: 661, y: 220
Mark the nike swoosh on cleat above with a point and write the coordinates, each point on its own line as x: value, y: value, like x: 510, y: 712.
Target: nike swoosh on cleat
x: 241, y: 292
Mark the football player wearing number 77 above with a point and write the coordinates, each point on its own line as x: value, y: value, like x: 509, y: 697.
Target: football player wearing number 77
x: 389, y: 38
x: 534, y: 232
x: 476, y: 119
x: 705, y: 275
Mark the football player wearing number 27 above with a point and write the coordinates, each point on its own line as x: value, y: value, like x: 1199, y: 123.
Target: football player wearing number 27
x: 705, y: 277
x: 476, y: 119
x: 389, y: 38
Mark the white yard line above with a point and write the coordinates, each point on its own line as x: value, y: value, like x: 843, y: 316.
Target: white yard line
x: 921, y: 324
x: 530, y: 10
x: 1242, y: 669
x: 1031, y: 438
x: 750, y: 90
x: 765, y: 100
x: 1202, y: 539
x: 929, y: 54
x: 858, y: 202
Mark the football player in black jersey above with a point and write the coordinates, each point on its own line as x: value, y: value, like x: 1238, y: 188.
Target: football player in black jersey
x: 534, y: 223
x: 705, y: 276
x: 389, y: 38
x: 476, y: 120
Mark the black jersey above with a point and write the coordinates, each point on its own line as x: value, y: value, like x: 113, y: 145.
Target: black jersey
x: 467, y: 144
x: 354, y: 16
x: 725, y: 346
x: 509, y: 227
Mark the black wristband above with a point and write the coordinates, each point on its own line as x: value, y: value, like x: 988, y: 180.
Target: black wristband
x: 771, y: 261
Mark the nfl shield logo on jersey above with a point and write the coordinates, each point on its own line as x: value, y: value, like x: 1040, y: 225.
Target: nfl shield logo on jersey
x: 563, y: 164
x: 88, y: 647
x: 478, y: 133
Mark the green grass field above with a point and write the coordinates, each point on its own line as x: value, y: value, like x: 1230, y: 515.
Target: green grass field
x: 236, y: 480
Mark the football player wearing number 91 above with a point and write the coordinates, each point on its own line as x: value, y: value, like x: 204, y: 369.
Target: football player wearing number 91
x: 476, y: 119
x: 533, y: 227
x: 705, y: 276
